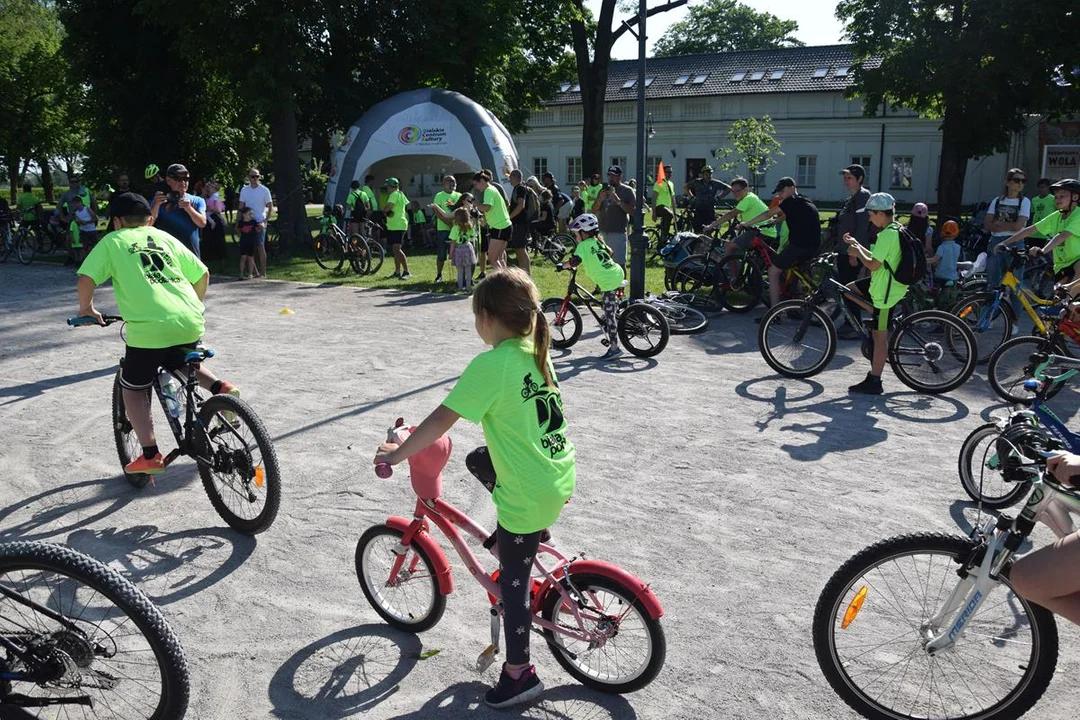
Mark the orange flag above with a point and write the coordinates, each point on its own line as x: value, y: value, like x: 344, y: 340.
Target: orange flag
x: 660, y: 176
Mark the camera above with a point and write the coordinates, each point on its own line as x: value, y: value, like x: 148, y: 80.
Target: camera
x: 605, y: 187
x: 173, y: 198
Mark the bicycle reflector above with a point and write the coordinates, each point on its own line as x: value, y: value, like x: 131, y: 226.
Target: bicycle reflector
x: 853, y: 608
x: 260, y: 476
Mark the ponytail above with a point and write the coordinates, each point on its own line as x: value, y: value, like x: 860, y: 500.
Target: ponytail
x: 509, y: 296
x: 541, y: 340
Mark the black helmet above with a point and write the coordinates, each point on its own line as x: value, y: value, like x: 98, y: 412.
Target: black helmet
x: 1070, y: 184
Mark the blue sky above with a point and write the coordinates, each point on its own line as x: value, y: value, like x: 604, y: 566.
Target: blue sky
x: 817, y: 22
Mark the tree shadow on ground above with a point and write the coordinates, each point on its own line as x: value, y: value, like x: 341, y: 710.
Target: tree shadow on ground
x: 565, y: 702
x: 423, y: 295
x: 165, y: 565
x: 350, y: 671
x: 26, y: 391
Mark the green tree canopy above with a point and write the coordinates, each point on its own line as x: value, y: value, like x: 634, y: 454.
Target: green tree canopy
x: 751, y: 144
x: 724, y: 25
x: 981, y: 66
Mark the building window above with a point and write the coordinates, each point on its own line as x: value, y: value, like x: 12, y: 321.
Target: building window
x: 681, y: 80
x: 806, y: 171
x: 629, y: 83
x: 776, y: 74
x: 842, y: 71
x: 576, y: 87
x: 573, y: 170
x: 900, y: 177
x: 821, y: 72
x: 693, y: 168
x: 757, y: 75
x: 620, y: 161
x: 738, y: 77
x: 863, y: 160
x: 652, y: 166
x: 564, y: 87
x: 539, y: 166
x: 698, y: 79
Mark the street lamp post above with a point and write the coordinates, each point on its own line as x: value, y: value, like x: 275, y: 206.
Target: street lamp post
x: 638, y: 243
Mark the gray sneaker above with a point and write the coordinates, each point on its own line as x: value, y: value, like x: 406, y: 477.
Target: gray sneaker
x: 612, y: 354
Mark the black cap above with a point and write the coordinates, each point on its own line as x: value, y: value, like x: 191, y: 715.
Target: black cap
x: 130, y: 204
x: 176, y: 170
x: 857, y: 170
x: 784, y: 182
x: 547, y: 176
x: 614, y: 170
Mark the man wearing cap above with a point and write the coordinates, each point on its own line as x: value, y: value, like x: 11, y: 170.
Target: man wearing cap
x: 612, y: 208
x: 397, y: 222
x: 257, y: 196
x: 159, y: 286
x: 804, y: 231
x: 704, y: 192
x: 852, y: 220
x: 178, y: 212
x: 446, y: 200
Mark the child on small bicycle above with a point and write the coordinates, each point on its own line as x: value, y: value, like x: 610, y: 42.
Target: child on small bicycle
x: 881, y: 287
x: 1063, y: 229
x: 601, y: 267
x: 533, y: 459
x: 159, y: 286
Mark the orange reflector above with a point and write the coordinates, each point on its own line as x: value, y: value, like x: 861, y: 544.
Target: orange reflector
x: 853, y: 608
x: 966, y: 311
x: 260, y: 476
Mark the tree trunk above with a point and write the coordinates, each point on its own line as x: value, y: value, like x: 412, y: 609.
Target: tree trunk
x: 46, y: 179
x: 14, y: 177
x: 288, y: 190
x: 592, y: 125
x: 953, y: 167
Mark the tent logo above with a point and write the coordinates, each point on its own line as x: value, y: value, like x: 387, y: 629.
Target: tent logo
x: 409, y: 135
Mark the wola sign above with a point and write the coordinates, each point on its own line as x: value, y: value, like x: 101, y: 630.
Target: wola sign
x: 1061, y: 161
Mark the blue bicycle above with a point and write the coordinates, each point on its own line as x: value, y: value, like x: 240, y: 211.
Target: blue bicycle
x: 999, y: 484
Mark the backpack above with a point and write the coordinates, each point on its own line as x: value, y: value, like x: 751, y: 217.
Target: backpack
x: 912, y: 266
x: 532, y: 203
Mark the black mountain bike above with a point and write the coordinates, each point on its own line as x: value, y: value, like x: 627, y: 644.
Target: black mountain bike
x: 643, y: 329
x: 17, y: 242
x: 228, y: 441
x: 78, y: 640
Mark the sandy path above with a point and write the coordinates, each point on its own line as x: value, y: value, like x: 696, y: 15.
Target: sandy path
x: 735, y: 494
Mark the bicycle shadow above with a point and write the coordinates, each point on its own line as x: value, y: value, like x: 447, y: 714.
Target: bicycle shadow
x: 568, y: 366
x: 565, y: 702
x: 166, y: 566
x: 350, y: 671
x: 25, y: 391
x: 60, y: 510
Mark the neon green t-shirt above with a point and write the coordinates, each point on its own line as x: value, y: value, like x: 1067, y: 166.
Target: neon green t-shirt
x: 498, y: 217
x: 750, y: 207
x: 783, y: 234
x: 590, y: 194
x: 1041, y: 207
x: 1068, y: 252
x: 152, y: 274
x: 354, y: 197
x: 419, y: 218
x: 598, y: 264
x: 397, y: 219
x: 26, y: 202
x: 461, y: 236
x: 665, y: 191
x: 525, y: 430
x: 369, y: 196
x: 885, y: 291
x: 446, y: 201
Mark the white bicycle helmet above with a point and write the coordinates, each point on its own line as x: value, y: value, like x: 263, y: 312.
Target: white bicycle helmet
x: 585, y: 222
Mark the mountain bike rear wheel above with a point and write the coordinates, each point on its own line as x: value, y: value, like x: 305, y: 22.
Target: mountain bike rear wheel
x: 238, y: 464
x: 101, y: 647
x: 696, y: 276
x: 1010, y: 367
x: 990, y: 325
x: 565, y: 331
x: 796, y: 339
x: 980, y: 473
x: 682, y: 319
x: 740, y: 290
x: 328, y: 252
x: 643, y: 330
x: 932, y: 351
x: 872, y: 622
x: 24, y: 248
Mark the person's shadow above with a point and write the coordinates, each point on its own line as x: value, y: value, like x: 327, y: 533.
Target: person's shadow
x: 565, y: 702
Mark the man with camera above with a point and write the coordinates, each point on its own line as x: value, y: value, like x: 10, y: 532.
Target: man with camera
x: 178, y: 212
x: 612, y: 207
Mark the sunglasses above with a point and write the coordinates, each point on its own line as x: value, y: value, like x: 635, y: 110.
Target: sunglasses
x: 179, y: 178
x: 1020, y: 180
x: 254, y: 177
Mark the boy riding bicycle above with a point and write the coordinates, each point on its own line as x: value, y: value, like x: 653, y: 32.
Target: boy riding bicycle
x: 882, y: 288
x: 159, y: 286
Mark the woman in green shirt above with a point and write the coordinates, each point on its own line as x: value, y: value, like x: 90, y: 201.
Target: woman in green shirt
x: 397, y: 222
x: 511, y: 390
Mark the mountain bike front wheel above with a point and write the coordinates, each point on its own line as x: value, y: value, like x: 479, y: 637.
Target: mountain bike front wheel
x: 359, y: 255
x: 627, y: 647
x: 797, y: 339
x: 565, y: 327
x: 932, y: 352
x: 1011, y: 366
x: 682, y: 319
x: 378, y: 254
x: 328, y: 252
x: 741, y: 288
x: 980, y: 473
x: 102, y: 648
x: 24, y: 248
x: 875, y: 615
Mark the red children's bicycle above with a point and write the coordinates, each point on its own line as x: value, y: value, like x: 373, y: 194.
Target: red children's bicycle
x: 601, y: 623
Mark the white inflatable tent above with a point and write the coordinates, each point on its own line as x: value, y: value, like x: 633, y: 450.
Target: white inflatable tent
x: 426, y: 131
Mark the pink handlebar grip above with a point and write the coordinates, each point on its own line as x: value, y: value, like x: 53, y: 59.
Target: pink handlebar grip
x: 384, y: 470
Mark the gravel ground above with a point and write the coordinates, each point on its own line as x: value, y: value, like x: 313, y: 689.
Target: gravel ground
x: 736, y: 494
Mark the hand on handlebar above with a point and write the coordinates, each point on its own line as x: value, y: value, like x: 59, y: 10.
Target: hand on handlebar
x: 1035, y: 252
x: 1065, y: 468
x: 91, y: 313
x: 387, y: 454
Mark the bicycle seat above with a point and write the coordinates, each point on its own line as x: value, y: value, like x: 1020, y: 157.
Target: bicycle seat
x: 198, y: 355
x: 426, y: 466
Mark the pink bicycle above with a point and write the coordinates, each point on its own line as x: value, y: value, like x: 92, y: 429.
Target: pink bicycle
x: 601, y: 623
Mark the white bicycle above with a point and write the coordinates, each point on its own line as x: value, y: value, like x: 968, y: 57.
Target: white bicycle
x: 928, y: 626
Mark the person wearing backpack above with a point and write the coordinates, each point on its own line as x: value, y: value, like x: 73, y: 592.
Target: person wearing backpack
x: 885, y: 286
x: 1007, y: 215
x: 523, y: 201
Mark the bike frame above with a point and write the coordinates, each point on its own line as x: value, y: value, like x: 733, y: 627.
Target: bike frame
x: 1027, y: 297
x: 585, y: 298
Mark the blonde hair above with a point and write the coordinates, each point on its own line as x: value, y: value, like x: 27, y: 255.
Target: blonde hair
x: 463, y: 219
x: 510, y: 297
x: 534, y: 184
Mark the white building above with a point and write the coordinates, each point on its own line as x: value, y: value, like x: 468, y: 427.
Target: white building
x: 693, y: 99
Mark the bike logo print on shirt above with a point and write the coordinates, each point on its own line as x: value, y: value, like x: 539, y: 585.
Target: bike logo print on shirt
x: 154, y: 259
x: 549, y: 414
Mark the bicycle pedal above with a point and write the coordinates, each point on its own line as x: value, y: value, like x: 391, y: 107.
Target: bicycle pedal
x: 486, y: 658
x: 605, y: 342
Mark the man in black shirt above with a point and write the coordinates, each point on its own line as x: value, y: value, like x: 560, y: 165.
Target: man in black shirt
x: 852, y: 219
x: 804, y: 231
x: 704, y: 192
